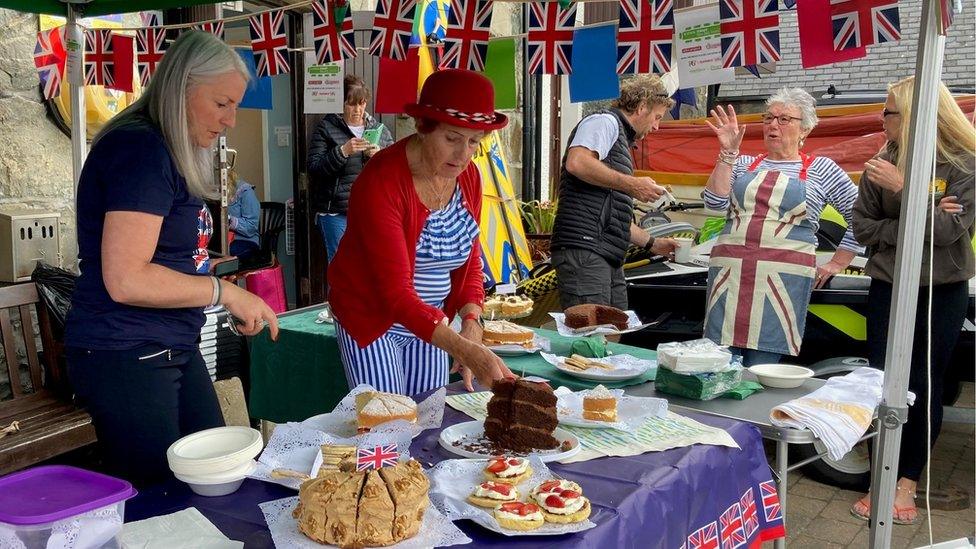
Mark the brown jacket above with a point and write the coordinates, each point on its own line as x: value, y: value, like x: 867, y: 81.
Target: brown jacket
x: 876, y: 214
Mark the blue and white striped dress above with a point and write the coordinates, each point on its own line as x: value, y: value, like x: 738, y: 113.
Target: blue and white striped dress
x: 398, y: 361
x: 826, y: 182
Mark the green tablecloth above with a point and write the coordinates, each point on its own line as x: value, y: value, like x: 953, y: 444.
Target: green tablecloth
x: 301, y: 375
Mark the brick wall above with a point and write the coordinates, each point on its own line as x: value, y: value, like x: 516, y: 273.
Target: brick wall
x: 883, y: 64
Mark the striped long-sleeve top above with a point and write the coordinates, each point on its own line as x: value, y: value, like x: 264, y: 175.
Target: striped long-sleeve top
x: 826, y: 182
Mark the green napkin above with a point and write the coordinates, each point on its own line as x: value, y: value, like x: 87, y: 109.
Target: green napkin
x: 590, y: 347
x: 743, y: 390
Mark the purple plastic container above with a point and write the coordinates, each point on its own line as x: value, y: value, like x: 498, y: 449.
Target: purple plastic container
x: 44, y: 495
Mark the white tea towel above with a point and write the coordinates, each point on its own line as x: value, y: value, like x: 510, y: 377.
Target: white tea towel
x: 839, y: 413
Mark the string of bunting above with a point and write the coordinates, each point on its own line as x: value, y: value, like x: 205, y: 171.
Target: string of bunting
x: 643, y: 38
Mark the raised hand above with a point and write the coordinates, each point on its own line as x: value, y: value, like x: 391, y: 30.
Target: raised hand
x: 726, y: 128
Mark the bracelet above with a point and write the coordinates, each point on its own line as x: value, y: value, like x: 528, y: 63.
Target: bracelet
x: 728, y: 157
x: 472, y: 316
x: 650, y: 244
x: 342, y: 153
x: 215, y: 299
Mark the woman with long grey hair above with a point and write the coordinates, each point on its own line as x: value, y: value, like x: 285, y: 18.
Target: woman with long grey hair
x: 133, y: 330
x: 763, y: 266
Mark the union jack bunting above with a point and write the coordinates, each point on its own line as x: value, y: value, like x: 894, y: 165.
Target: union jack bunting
x: 550, y: 38
x: 49, y: 58
x: 945, y: 16
x: 730, y: 526
x: 770, y: 501
x: 466, y: 41
x: 99, y: 58
x: 857, y: 23
x: 644, y: 36
x: 269, y: 43
x: 150, y: 18
x: 150, y: 47
x: 376, y: 457
x: 750, y: 32
x: 215, y: 28
x: 750, y: 520
x: 392, y: 28
x: 333, y: 42
x: 705, y: 537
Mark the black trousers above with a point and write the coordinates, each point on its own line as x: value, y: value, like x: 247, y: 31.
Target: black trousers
x: 141, y: 401
x: 950, y: 304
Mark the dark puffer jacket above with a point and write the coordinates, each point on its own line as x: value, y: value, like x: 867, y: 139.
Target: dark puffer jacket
x: 597, y: 218
x: 332, y: 175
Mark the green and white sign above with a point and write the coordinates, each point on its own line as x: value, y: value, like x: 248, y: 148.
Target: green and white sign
x: 697, y: 40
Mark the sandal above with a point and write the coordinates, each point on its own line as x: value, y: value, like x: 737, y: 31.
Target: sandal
x: 862, y: 510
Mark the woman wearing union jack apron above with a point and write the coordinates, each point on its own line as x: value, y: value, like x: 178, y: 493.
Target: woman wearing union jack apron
x: 763, y: 265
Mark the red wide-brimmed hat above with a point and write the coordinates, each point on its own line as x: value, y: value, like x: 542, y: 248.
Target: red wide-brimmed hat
x: 459, y: 98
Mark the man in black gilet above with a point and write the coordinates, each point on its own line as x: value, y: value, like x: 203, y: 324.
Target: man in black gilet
x: 597, y: 187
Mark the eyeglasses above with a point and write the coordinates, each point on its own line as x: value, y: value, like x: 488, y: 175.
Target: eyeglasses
x: 783, y: 119
x: 886, y: 112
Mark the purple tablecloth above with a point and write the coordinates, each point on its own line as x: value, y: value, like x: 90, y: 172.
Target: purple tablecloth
x: 697, y: 496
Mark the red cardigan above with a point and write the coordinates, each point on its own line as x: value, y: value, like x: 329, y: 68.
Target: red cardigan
x: 371, y: 276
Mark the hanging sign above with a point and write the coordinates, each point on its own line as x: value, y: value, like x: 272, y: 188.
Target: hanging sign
x: 698, y: 41
x: 323, y: 88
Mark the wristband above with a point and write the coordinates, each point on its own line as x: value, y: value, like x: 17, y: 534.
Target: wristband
x: 215, y: 297
x: 471, y: 316
x: 650, y: 244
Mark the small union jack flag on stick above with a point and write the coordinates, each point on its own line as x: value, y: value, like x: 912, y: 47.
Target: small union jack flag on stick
x: 857, y: 23
x: 376, y: 457
x: 49, y: 58
x: 269, y: 43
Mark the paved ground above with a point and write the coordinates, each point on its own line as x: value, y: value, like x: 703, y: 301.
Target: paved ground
x: 818, y: 516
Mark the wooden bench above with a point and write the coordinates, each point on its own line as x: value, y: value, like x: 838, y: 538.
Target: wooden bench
x: 49, y: 423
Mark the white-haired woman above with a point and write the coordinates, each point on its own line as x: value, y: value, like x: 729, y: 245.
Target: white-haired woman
x: 764, y: 266
x: 143, y: 228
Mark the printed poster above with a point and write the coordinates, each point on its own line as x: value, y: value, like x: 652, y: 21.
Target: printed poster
x: 323, y: 88
x: 698, y: 47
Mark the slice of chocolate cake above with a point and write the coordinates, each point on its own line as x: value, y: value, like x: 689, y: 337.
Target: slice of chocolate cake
x: 611, y: 315
x: 582, y: 316
x: 522, y: 416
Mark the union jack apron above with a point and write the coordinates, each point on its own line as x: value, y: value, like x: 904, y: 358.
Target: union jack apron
x: 763, y: 264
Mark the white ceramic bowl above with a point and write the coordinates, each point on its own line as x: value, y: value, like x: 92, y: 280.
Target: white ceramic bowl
x: 781, y: 376
x: 214, y: 451
x: 218, y: 484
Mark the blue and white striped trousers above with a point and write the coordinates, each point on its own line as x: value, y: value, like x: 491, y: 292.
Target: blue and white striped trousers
x: 394, y: 363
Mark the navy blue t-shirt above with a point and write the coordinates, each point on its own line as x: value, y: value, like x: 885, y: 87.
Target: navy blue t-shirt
x: 130, y: 169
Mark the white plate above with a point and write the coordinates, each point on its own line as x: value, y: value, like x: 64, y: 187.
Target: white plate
x: 596, y: 374
x: 538, y: 344
x: 472, y: 431
x: 625, y: 367
x: 632, y: 412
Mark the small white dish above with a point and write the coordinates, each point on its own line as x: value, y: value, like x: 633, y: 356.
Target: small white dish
x: 454, y: 437
x: 781, y: 376
x: 219, y: 484
x: 214, y: 450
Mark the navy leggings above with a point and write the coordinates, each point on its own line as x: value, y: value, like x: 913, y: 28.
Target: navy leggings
x: 141, y: 401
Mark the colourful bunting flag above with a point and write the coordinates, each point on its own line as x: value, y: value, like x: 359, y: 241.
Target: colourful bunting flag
x: 123, y: 60
x: 49, y: 58
x: 269, y: 43
x: 500, y: 69
x: 550, y: 38
x: 594, y: 75
x: 466, y: 42
x: 215, y: 28
x: 150, y: 18
x: 391, y: 93
x: 945, y: 16
x: 392, y: 28
x: 333, y: 42
x: 99, y: 58
x: 750, y: 32
x: 150, y: 47
x: 816, y: 37
x: 859, y: 23
x: 644, y: 36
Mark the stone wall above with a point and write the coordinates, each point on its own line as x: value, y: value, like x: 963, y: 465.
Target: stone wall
x: 884, y: 63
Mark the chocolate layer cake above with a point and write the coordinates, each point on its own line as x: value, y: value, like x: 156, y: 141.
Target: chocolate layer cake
x: 522, y: 416
x: 581, y: 316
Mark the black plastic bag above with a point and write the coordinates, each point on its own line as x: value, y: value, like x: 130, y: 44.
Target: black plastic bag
x: 54, y: 285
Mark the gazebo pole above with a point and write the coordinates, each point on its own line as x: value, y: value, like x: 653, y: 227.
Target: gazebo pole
x: 75, y: 47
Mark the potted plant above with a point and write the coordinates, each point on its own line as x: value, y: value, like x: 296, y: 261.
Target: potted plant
x: 537, y: 218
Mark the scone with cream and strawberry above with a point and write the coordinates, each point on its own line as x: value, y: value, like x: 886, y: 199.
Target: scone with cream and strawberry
x: 492, y: 494
x: 510, y: 470
x: 561, y: 501
x: 518, y: 515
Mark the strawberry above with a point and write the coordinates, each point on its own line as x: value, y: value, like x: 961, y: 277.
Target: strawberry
x: 548, y: 486
x: 569, y: 494
x: 555, y: 501
x: 512, y: 507
x: 530, y: 508
x: 501, y: 488
x: 515, y: 462
x: 496, y: 467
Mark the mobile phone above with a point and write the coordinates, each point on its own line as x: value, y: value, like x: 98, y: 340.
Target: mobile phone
x: 373, y: 135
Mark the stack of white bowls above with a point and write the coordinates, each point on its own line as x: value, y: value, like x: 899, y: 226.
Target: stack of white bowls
x: 216, y: 461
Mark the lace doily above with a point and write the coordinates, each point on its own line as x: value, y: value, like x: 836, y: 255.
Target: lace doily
x: 341, y: 421
x: 632, y: 412
x: 92, y: 529
x: 436, y: 529
x: 633, y: 324
x: 453, y: 480
x: 622, y: 364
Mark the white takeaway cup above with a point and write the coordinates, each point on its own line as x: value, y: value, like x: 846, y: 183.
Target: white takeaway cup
x: 683, y: 253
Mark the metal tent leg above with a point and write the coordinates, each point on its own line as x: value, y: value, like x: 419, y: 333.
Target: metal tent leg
x: 782, y: 469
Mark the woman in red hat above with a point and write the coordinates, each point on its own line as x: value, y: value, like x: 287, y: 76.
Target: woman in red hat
x: 410, y: 259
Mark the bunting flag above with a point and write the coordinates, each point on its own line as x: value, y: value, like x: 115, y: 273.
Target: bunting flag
x: 550, y: 38
x: 500, y: 69
x: 466, y: 43
x: 122, y: 62
x: 427, y: 37
x: 858, y: 23
x: 269, y: 43
x: 945, y: 16
x: 392, y: 28
x: 333, y: 42
x: 683, y: 96
x: 49, y: 58
x: 150, y: 18
x: 215, y: 28
x: 392, y: 91
x: 594, y: 75
x: 150, y: 47
x: 99, y: 60
x: 644, y: 36
x: 816, y: 38
x: 750, y: 32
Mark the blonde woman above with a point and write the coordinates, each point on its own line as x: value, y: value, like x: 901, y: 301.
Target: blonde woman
x: 876, y: 219
x: 143, y: 229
